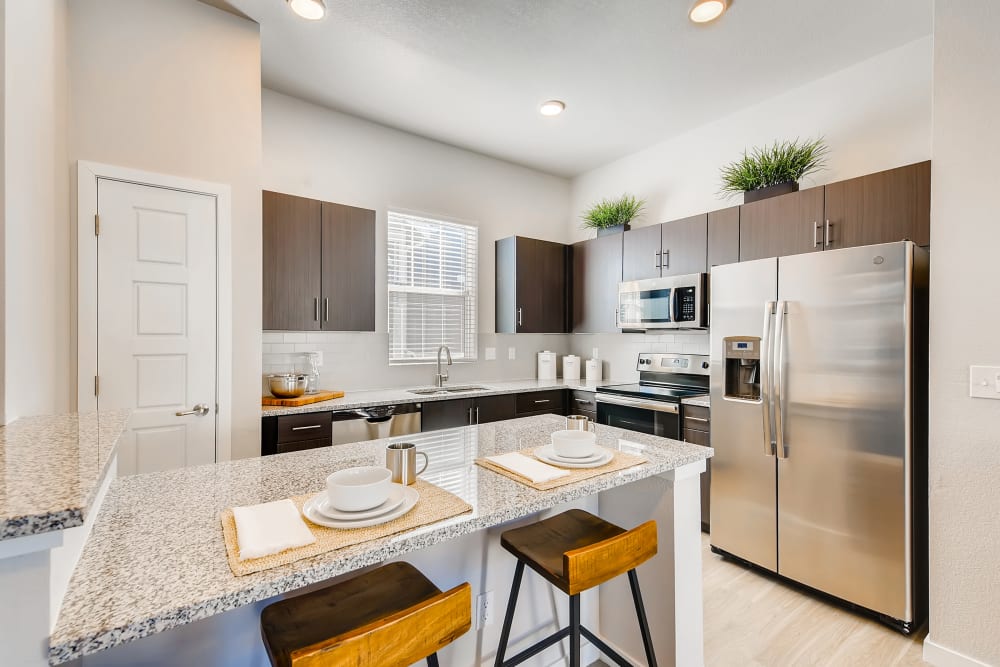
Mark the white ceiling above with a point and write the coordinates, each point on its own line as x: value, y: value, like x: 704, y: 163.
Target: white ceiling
x: 472, y: 73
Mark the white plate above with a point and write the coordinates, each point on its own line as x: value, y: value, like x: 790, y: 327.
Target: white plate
x: 589, y: 458
x: 395, y: 499
x: 310, y: 511
x: 547, y: 454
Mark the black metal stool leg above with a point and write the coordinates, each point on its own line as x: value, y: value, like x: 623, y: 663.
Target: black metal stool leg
x: 640, y: 611
x: 432, y: 660
x: 508, y: 618
x: 574, y: 630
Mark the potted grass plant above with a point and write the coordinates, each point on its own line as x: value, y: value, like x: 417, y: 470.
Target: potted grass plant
x: 612, y: 216
x: 773, y: 170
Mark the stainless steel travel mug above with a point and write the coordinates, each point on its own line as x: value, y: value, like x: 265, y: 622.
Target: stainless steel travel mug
x: 401, y: 459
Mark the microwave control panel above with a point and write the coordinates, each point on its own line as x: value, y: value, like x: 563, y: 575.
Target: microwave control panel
x: 686, y: 304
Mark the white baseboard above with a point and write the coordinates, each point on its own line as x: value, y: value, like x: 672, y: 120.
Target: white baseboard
x: 941, y: 656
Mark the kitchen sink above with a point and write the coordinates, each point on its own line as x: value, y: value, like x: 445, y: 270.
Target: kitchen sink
x: 431, y: 391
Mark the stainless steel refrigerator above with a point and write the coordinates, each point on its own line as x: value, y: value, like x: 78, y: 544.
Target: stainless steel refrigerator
x: 818, y: 386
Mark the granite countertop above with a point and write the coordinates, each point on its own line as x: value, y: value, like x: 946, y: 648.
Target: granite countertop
x: 353, y: 400
x: 700, y: 401
x: 156, y: 558
x: 51, y: 468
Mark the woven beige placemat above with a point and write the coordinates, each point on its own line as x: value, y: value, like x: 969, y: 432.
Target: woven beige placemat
x: 621, y: 461
x: 435, y: 504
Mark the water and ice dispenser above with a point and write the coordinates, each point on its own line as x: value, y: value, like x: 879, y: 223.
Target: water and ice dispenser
x: 742, y: 355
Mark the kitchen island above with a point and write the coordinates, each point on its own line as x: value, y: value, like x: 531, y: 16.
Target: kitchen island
x: 153, y: 586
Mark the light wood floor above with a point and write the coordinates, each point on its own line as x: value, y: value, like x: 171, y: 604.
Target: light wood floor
x: 753, y: 620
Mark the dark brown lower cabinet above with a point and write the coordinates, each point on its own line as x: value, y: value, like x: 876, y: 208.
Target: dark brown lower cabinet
x: 696, y: 429
x: 582, y: 402
x: 293, y: 433
x: 436, y: 415
x: 550, y: 401
x: 495, y: 408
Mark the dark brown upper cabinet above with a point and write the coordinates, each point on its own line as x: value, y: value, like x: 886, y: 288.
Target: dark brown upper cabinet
x: 641, y: 253
x: 724, y: 236
x: 532, y: 286
x: 684, y: 246
x: 671, y: 249
x: 348, y: 268
x: 884, y: 207
x: 597, y: 270
x: 319, y: 272
x: 293, y: 281
x: 787, y: 225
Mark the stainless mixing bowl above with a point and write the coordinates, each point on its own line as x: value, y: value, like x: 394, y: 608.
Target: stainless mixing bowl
x: 287, y: 385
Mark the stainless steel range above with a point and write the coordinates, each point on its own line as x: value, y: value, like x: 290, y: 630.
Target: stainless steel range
x: 653, y: 405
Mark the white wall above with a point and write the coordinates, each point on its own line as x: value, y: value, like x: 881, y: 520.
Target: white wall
x: 37, y: 288
x: 315, y: 152
x: 875, y: 115
x: 174, y: 88
x: 965, y: 317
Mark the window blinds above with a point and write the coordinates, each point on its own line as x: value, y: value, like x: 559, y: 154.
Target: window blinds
x: 432, y: 288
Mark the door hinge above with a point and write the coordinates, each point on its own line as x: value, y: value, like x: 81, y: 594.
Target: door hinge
x: 97, y: 224
x: 97, y: 385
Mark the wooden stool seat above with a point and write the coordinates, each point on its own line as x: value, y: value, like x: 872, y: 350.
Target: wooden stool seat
x: 576, y: 551
x: 390, y: 616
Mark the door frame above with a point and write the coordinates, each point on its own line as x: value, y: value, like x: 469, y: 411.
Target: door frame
x: 88, y: 175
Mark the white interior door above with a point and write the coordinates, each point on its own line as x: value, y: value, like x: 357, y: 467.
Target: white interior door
x: 156, y: 326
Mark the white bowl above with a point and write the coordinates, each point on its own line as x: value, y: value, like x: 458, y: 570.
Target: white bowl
x: 358, y: 489
x: 574, y: 444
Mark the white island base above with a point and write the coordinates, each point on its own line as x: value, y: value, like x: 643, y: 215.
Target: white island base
x: 670, y: 583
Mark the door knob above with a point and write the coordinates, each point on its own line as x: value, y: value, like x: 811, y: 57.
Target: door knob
x: 201, y: 410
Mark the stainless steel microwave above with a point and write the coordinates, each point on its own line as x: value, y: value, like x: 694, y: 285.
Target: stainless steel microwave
x: 676, y: 302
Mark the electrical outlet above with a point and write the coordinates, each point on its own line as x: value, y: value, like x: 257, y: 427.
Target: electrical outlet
x: 594, y: 354
x: 511, y: 353
x: 491, y: 353
x: 484, y: 610
x: 984, y: 381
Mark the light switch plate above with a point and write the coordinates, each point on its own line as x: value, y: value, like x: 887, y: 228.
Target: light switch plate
x: 512, y: 353
x: 984, y: 381
x: 594, y: 354
x: 491, y: 353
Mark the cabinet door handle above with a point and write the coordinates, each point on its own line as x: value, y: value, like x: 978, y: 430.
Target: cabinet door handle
x: 543, y: 400
x: 666, y: 257
x: 519, y: 316
x: 306, y: 428
x: 470, y: 416
x: 326, y: 309
x: 695, y: 419
x: 477, y: 414
x: 657, y: 256
x: 583, y: 400
x: 316, y: 309
x: 827, y: 237
x: 815, y: 234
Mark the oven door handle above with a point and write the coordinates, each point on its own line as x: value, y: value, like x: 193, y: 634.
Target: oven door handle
x: 655, y: 406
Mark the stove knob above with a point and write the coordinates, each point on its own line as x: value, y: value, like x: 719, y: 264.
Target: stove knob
x: 704, y: 364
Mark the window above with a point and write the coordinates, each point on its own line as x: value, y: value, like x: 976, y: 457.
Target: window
x: 432, y: 289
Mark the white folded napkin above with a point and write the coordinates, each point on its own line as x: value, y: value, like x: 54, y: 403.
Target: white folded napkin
x: 529, y: 468
x: 269, y: 528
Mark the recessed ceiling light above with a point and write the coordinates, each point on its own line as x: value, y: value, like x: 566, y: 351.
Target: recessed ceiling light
x: 313, y: 10
x: 704, y: 11
x: 552, y: 108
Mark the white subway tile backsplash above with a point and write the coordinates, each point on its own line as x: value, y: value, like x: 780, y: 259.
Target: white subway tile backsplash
x: 278, y: 348
x: 295, y: 337
x: 272, y: 337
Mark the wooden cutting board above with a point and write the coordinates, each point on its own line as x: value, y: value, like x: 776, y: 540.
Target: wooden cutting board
x: 305, y: 399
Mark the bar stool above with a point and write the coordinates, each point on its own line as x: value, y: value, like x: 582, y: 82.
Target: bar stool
x: 392, y: 616
x: 576, y: 551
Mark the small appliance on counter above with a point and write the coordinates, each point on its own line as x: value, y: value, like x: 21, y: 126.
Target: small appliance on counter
x: 547, y: 365
x: 595, y: 369
x: 571, y: 367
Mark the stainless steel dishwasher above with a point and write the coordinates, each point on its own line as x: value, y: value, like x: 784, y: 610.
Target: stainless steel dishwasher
x: 372, y: 423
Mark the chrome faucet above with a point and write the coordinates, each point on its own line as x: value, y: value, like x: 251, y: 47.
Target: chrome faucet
x: 440, y: 378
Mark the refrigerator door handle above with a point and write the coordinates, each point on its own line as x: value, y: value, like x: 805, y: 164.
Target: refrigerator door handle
x: 779, y: 383
x: 765, y: 378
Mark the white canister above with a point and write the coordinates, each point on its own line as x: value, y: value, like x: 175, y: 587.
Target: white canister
x: 546, y: 365
x: 594, y: 370
x: 571, y: 367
